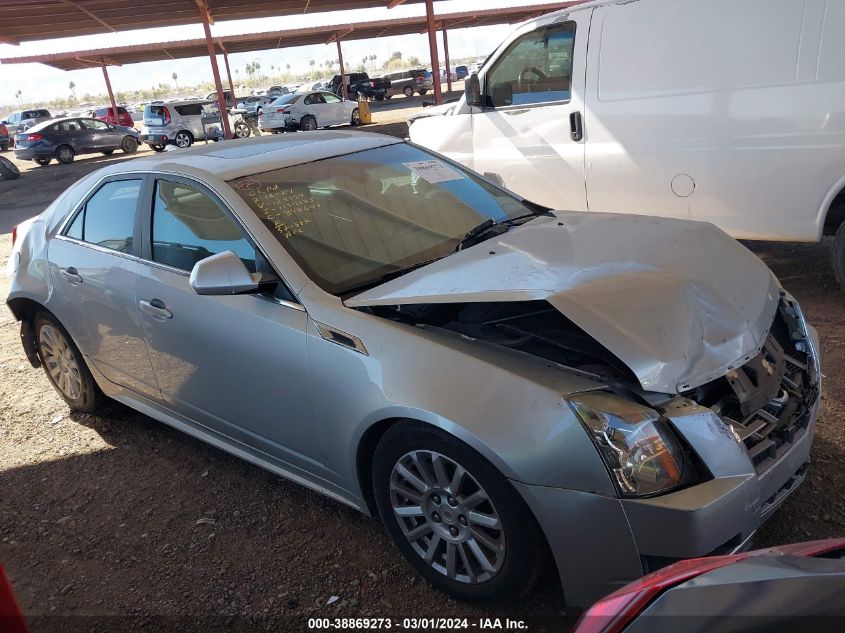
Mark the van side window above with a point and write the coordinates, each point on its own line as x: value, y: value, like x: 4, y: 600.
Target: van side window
x: 189, y: 109
x: 536, y: 68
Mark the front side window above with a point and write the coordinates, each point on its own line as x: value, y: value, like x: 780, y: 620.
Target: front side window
x: 108, y: 218
x: 93, y: 124
x: 352, y: 219
x: 188, y: 226
x: 536, y: 68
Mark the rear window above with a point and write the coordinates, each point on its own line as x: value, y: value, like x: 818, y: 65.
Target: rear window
x: 157, y: 114
x: 289, y: 98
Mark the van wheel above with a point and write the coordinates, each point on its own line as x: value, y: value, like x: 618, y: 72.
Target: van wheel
x: 183, y: 139
x: 63, y: 363
x: 129, y: 145
x: 64, y: 155
x: 308, y: 123
x: 409, y: 92
x: 838, y: 256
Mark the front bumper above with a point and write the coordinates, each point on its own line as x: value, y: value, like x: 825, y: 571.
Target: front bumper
x: 602, y: 543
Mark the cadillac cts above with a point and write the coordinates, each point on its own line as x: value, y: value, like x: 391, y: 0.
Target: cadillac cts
x: 501, y: 383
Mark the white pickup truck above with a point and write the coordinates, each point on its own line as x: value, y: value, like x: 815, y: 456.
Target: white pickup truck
x: 727, y: 111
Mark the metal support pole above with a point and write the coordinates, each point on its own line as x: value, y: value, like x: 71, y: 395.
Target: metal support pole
x: 111, y: 94
x: 229, y: 75
x: 432, y: 47
x: 344, y: 88
x: 221, y: 100
x: 446, y: 55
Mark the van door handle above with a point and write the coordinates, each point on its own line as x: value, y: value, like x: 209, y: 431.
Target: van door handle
x: 71, y: 275
x: 576, y: 128
x: 156, y: 308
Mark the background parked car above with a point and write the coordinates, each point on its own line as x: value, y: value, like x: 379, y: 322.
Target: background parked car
x: 63, y: 139
x: 408, y: 82
x: 308, y: 111
x: 106, y: 114
x: 5, y: 139
x: 25, y: 119
x: 361, y: 85
x: 786, y: 588
x: 227, y: 97
x: 461, y: 72
x: 180, y: 123
x: 253, y: 105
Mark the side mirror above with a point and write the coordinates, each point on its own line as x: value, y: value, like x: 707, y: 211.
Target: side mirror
x: 472, y: 90
x: 503, y: 94
x: 223, y: 274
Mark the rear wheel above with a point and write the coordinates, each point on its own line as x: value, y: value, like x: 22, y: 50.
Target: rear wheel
x: 107, y: 152
x: 409, y: 92
x: 308, y: 123
x: 454, y: 517
x: 64, y: 154
x: 379, y: 96
x: 129, y: 145
x: 8, y: 170
x: 43, y: 161
x: 183, y: 139
x: 157, y: 148
x: 64, y: 365
x: 422, y: 92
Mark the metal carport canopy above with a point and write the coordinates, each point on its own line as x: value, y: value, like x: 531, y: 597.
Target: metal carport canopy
x: 28, y: 20
x: 120, y: 55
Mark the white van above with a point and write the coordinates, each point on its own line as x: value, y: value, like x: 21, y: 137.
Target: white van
x: 729, y: 111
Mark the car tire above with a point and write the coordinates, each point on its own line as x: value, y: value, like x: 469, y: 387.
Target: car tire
x: 838, y: 256
x: 8, y: 170
x: 157, y: 148
x: 308, y: 123
x: 241, y: 130
x: 107, y: 152
x: 64, y: 154
x: 64, y: 365
x: 4, y: 147
x: 499, y: 528
x: 388, y: 96
x: 409, y: 92
x: 422, y: 92
x: 356, y: 117
x: 129, y: 145
x: 379, y: 97
x: 183, y: 139
x: 43, y: 161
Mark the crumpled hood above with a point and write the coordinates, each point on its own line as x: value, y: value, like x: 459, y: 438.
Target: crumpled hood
x: 679, y: 302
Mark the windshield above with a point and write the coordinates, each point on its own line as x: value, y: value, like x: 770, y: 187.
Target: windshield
x: 288, y: 98
x: 352, y: 219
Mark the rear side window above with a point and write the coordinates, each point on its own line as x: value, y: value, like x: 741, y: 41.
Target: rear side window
x: 188, y: 226
x: 190, y: 109
x: 108, y: 218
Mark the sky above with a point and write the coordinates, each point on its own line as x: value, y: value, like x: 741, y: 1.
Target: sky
x: 37, y: 81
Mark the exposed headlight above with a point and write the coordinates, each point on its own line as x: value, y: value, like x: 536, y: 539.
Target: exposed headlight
x: 641, y: 454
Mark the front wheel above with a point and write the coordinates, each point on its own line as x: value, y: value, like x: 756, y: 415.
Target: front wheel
x: 454, y: 517
x: 129, y: 145
x: 356, y: 117
x: 241, y: 130
x: 64, y: 365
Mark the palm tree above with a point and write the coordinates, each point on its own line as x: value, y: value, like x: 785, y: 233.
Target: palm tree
x: 287, y: 67
x: 18, y: 95
x: 175, y: 80
x: 72, y: 87
x: 272, y: 71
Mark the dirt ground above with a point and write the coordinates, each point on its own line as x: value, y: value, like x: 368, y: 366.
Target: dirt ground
x: 119, y: 523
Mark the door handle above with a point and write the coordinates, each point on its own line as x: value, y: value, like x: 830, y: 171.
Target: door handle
x: 576, y: 127
x: 71, y: 275
x: 156, y: 308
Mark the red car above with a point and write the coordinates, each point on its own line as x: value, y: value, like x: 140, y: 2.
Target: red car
x: 106, y: 114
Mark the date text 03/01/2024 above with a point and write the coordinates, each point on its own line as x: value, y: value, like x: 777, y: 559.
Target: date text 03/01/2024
x: 413, y: 624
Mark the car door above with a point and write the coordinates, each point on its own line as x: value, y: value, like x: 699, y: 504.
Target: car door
x: 335, y: 109
x: 93, y: 265
x: 529, y: 132
x: 233, y: 364
x: 99, y: 136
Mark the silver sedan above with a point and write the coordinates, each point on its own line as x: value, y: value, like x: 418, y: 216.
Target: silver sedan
x: 504, y: 385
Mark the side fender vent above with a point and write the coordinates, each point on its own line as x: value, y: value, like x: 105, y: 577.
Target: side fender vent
x: 339, y: 337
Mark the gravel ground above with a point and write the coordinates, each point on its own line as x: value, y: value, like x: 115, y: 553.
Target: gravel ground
x: 116, y: 522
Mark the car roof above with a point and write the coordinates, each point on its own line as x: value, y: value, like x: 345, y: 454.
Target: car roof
x: 236, y: 158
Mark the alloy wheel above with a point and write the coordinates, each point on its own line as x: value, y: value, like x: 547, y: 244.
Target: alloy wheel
x: 241, y: 130
x: 60, y: 362
x: 65, y: 154
x: 182, y: 140
x: 447, y: 517
x: 356, y: 117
